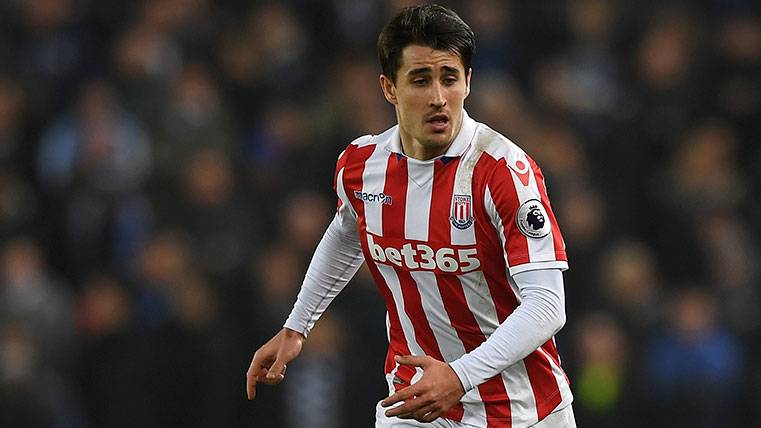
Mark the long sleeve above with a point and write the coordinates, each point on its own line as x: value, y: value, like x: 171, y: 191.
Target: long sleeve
x: 335, y: 261
x: 540, y: 315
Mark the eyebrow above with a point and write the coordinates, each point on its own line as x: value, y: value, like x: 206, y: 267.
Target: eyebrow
x: 423, y: 70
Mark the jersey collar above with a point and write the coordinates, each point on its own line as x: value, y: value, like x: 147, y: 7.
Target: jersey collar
x: 456, y: 149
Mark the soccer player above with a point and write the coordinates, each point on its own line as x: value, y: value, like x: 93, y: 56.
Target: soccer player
x: 454, y: 222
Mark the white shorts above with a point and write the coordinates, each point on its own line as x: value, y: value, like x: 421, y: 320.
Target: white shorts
x: 560, y: 418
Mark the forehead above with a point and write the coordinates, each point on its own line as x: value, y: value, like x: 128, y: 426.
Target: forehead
x: 418, y: 56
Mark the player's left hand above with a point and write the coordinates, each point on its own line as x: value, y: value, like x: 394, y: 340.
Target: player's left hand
x: 436, y: 392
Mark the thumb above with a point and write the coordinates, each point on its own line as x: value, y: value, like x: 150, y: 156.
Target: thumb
x: 412, y: 360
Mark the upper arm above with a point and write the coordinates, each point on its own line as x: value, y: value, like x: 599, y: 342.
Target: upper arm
x: 519, y: 208
x: 345, y: 214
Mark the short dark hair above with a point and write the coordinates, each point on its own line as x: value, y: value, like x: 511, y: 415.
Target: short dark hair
x: 428, y: 25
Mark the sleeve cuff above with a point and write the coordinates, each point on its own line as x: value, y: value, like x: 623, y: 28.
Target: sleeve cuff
x: 297, y: 326
x: 525, y: 267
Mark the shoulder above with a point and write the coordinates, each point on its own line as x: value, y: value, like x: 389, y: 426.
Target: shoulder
x: 365, y: 144
x: 494, y: 150
x: 359, y: 142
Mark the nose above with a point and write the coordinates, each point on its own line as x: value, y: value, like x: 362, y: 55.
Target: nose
x: 437, y: 96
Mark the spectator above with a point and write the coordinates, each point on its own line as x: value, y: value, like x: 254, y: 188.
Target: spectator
x: 32, y: 297
x: 604, y: 396
x: 694, y: 366
x: 94, y: 162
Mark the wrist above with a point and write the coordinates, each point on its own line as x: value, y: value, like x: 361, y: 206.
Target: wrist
x: 459, y: 382
x: 293, y: 334
x: 459, y: 369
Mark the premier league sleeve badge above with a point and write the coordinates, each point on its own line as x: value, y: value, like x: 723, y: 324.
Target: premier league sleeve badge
x: 532, y: 219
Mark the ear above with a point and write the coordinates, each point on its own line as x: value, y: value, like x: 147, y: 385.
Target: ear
x: 467, y: 82
x: 388, y: 88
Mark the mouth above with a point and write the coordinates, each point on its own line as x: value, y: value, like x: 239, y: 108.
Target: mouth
x: 438, y: 121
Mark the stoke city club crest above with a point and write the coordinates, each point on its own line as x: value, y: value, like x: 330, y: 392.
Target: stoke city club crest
x: 462, y: 211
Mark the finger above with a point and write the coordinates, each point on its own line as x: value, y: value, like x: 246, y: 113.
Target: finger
x: 251, y: 378
x: 277, y: 371
x: 251, y: 387
x: 431, y: 416
x: 406, y: 410
x: 265, y: 377
x: 422, y: 413
x: 265, y: 371
x: 259, y: 366
x: 270, y: 381
x: 413, y: 360
x: 402, y: 395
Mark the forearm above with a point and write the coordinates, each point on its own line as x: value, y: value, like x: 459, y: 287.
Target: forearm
x: 540, y: 315
x: 335, y: 261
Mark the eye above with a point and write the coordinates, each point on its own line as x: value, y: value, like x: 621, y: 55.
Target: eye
x: 449, y: 81
x: 419, y: 82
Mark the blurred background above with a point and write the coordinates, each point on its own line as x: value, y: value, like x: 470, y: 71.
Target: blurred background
x: 166, y: 171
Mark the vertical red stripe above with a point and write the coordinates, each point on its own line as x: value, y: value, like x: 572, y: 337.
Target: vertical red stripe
x: 394, y: 216
x: 393, y: 225
x: 439, y: 227
x: 551, y: 350
x: 352, y: 178
x: 543, y: 383
x: 490, y: 249
x: 396, y: 186
x: 557, y: 237
x: 354, y: 166
x: 413, y: 307
x: 505, y: 197
x: 493, y: 393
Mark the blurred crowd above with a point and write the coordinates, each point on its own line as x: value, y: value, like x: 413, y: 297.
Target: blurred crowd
x: 166, y: 172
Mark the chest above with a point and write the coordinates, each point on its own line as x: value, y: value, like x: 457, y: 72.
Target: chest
x: 417, y: 216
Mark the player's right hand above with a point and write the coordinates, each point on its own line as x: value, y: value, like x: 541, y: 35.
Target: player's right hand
x: 269, y: 363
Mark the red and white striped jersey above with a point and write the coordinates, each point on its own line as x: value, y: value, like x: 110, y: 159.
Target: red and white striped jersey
x: 442, y: 238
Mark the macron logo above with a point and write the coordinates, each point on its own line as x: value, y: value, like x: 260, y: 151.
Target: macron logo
x: 373, y: 197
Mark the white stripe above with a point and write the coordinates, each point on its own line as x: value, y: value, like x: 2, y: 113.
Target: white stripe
x: 515, y: 377
x: 373, y: 181
x: 392, y: 281
x: 463, y: 185
x: 541, y: 246
x: 481, y: 304
x: 542, y: 249
x: 497, y: 221
x: 474, y: 411
x: 390, y: 376
x: 417, y: 211
x: 522, y: 403
x: 433, y: 306
x: 345, y: 201
x: 450, y: 345
x: 557, y: 371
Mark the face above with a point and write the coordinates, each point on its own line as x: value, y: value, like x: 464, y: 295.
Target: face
x: 428, y: 94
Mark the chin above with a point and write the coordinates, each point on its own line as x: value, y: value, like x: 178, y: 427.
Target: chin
x: 441, y: 139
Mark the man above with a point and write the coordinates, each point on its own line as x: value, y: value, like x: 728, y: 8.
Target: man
x: 455, y: 225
